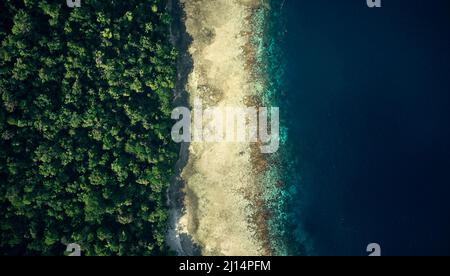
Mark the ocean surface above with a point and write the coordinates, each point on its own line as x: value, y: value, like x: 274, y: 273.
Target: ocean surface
x: 365, y: 104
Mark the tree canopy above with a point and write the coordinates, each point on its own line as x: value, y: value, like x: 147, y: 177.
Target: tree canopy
x: 85, y: 149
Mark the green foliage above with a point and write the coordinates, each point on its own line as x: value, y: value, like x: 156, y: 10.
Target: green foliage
x: 85, y: 150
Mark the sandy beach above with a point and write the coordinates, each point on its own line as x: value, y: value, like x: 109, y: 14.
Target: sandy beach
x: 218, y: 213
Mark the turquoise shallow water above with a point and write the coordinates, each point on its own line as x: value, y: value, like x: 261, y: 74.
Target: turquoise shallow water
x: 282, y: 181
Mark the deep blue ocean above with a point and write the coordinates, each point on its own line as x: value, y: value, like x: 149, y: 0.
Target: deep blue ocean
x: 367, y: 105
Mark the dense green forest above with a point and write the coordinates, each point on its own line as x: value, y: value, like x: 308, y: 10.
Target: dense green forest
x: 85, y: 148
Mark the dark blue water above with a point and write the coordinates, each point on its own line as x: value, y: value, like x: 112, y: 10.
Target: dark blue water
x: 368, y: 109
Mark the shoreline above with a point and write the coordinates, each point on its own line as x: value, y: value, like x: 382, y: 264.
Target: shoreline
x: 216, y: 203
x: 181, y: 244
